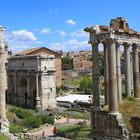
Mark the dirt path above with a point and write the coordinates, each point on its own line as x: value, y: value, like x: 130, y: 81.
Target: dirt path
x: 48, y: 130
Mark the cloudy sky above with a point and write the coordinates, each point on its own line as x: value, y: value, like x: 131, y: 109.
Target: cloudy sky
x: 59, y: 24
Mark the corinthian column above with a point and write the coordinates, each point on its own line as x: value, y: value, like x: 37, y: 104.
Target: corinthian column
x: 96, y: 75
x: 106, y: 72
x: 136, y: 71
x: 119, y: 80
x: 113, y: 99
x: 127, y: 70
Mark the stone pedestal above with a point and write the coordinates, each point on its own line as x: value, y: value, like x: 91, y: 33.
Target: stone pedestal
x: 109, y: 127
x: 4, y: 126
x: 38, y: 103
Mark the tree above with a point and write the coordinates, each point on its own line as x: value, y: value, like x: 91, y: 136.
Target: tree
x: 67, y: 63
x: 86, y: 84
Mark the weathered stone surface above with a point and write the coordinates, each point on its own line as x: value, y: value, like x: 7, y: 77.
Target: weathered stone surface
x: 109, y: 127
x: 4, y: 124
x: 34, y: 79
x: 135, y: 122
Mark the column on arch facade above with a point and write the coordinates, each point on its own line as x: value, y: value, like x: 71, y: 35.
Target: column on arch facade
x: 15, y: 83
x: 136, y: 71
x: 28, y: 84
x: 127, y: 69
x: 38, y: 102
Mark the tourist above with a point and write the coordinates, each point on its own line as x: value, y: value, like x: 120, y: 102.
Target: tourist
x: 54, y: 130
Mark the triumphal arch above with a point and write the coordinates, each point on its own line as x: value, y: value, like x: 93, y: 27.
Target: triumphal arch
x: 110, y: 125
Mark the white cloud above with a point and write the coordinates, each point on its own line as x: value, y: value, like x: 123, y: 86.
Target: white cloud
x: 23, y: 35
x: 73, y: 42
x: 58, y: 46
x: 45, y: 30
x: 71, y: 45
x: 70, y: 21
x: 79, y: 33
x: 20, y: 40
x: 62, y: 33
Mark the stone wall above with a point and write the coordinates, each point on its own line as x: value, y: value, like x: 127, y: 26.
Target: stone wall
x: 109, y: 127
x: 32, y: 79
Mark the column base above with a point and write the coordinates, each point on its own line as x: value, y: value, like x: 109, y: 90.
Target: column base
x: 4, y: 125
x: 38, y: 103
x: 113, y: 113
x: 137, y: 99
x: 109, y: 127
x: 4, y: 129
x: 96, y: 108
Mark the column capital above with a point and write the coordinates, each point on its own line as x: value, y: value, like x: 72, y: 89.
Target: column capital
x: 135, y: 46
x: 108, y: 42
x: 95, y: 43
x: 118, y: 44
x: 126, y: 44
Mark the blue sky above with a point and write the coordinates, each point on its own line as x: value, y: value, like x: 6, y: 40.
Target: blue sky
x: 58, y: 24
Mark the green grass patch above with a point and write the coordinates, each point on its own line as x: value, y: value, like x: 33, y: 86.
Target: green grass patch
x: 128, y: 108
x: 3, y: 137
x: 10, y: 116
x: 21, y: 113
x: 20, y: 118
x: 76, y: 114
x: 75, y: 132
x: 74, y: 82
x: 15, y: 128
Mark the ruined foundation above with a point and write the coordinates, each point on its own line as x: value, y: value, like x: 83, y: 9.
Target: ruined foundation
x: 109, y: 127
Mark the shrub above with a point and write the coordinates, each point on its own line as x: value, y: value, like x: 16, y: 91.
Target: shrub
x: 47, y: 119
x: 15, y: 128
x: 32, y: 122
x: 21, y: 113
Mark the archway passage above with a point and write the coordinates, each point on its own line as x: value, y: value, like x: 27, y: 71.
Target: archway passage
x: 22, y: 91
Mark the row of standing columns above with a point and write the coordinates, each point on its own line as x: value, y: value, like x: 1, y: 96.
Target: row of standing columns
x: 113, y: 79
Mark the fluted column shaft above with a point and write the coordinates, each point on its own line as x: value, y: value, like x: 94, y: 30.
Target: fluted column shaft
x: 119, y: 81
x: 127, y: 70
x: 113, y: 100
x: 136, y: 71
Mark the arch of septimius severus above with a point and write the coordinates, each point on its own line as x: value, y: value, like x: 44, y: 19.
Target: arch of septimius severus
x: 109, y: 125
